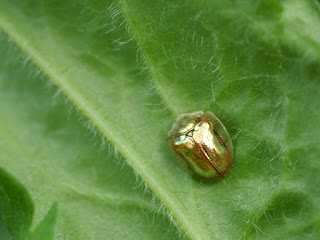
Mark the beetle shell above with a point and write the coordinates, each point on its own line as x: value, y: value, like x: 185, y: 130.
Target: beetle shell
x: 204, y: 144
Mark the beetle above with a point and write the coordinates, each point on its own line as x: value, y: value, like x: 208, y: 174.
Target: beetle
x: 202, y: 141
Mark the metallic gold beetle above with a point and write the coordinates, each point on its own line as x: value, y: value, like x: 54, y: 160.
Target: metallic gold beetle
x: 204, y: 144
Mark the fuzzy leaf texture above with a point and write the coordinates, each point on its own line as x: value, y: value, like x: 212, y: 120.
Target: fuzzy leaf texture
x: 130, y: 68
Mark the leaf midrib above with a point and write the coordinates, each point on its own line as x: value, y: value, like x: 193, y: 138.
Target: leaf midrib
x: 95, y: 118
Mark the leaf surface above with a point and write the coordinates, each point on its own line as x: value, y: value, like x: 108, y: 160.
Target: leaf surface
x: 133, y: 66
x: 46, y: 145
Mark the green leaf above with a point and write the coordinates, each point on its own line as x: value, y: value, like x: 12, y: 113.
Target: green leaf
x: 132, y: 67
x: 44, y: 143
x: 16, y: 211
x: 45, y: 230
x: 4, y: 233
x: 16, y: 206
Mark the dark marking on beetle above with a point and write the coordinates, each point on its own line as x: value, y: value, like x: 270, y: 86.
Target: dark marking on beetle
x: 215, y: 133
x: 190, y: 133
x: 225, y: 146
x: 219, y: 137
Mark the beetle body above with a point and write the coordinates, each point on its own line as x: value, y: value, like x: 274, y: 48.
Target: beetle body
x: 204, y: 144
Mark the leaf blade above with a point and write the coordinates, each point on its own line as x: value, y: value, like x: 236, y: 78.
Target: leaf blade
x: 254, y: 100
